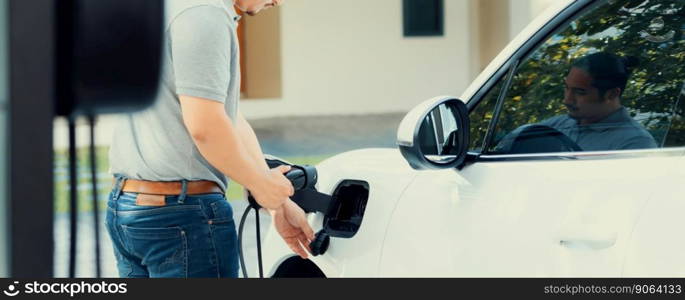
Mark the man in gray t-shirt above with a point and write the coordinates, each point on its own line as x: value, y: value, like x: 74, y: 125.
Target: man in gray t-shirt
x: 200, y: 60
x: 596, y: 119
x: 188, y: 144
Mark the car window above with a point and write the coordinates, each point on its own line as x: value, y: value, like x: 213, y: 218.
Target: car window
x: 611, y: 79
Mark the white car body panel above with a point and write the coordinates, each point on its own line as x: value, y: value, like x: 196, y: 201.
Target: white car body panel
x: 374, y: 166
x: 657, y: 247
x: 477, y: 229
x: 489, y: 221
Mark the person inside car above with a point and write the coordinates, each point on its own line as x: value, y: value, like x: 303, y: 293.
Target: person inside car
x: 596, y: 119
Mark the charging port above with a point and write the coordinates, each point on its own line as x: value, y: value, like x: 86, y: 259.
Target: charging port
x: 349, y: 204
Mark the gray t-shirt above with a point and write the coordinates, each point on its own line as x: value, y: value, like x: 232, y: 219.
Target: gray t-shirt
x: 201, y: 59
x: 618, y: 131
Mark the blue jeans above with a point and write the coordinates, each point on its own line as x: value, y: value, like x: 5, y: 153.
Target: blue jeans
x: 191, y: 236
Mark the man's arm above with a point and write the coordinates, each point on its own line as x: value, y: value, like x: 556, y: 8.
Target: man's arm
x: 222, y: 146
x: 249, y: 139
x: 638, y: 142
x: 200, y: 52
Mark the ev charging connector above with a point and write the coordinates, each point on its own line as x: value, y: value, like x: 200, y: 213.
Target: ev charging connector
x: 303, y: 179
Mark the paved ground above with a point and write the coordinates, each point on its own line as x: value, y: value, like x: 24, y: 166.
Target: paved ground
x: 281, y: 136
x: 327, y: 134
x: 284, y: 137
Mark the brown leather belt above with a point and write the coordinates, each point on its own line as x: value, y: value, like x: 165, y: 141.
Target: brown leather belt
x: 170, y: 188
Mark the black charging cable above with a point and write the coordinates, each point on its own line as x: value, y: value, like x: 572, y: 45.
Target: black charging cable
x: 302, y: 179
x: 259, y: 244
x: 252, y: 205
x: 296, y: 178
x: 256, y: 208
x: 240, y: 241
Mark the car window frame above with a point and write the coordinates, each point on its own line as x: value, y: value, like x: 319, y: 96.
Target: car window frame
x: 510, y: 66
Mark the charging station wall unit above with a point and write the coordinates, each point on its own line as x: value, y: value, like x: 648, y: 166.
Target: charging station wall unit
x: 108, y: 55
x: 423, y: 17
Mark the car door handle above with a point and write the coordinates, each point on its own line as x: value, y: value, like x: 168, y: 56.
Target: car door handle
x: 588, y: 244
x: 593, y: 241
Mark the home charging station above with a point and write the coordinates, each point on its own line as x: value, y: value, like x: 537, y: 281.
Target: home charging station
x: 108, y: 58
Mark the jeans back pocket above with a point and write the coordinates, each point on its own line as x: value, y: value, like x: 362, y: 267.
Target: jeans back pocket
x: 162, y: 250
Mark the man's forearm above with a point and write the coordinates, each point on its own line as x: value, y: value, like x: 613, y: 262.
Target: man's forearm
x: 223, y: 148
x: 249, y: 140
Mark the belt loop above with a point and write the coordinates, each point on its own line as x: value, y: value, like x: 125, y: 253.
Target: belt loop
x: 184, y: 190
x: 118, y: 186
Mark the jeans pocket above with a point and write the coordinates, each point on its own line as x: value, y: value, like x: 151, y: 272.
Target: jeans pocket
x: 163, y: 251
x: 225, y: 238
x: 226, y: 243
x: 222, y: 212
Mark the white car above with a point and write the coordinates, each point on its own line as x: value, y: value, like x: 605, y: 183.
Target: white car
x: 480, y: 187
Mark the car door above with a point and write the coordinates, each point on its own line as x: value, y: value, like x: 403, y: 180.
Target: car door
x: 521, y: 208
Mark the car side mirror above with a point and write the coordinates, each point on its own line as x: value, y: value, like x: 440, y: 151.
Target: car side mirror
x: 435, y: 134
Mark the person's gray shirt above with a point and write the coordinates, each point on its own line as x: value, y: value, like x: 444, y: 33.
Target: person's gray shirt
x: 201, y: 59
x: 618, y: 131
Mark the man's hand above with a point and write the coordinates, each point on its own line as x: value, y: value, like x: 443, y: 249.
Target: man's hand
x: 274, y: 190
x: 291, y: 223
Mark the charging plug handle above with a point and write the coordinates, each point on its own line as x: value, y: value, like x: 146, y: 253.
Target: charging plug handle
x: 303, y: 179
